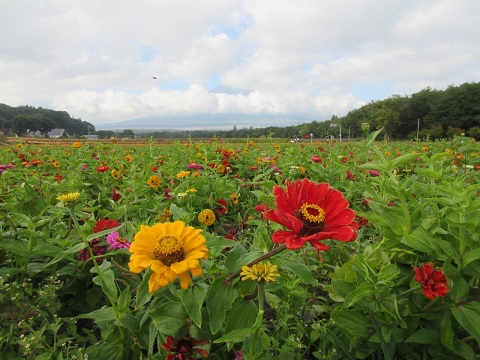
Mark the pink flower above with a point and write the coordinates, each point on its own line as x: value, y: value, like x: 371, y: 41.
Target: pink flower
x: 316, y: 159
x: 373, y: 173
x: 195, y: 166
x: 115, y: 241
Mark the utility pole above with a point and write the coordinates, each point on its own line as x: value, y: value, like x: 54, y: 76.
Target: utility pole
x: 418, y: 128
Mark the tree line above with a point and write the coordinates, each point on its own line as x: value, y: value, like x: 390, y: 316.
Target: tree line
x: 428, y: 114
x: 25, y: 119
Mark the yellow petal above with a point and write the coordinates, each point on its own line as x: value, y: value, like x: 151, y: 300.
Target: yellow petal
x: 184, y: 280
x: 179, y: 267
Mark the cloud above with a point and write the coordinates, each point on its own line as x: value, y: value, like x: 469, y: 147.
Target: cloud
x: 97, y: 59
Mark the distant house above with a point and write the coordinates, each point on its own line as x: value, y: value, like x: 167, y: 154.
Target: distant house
x: 57, y: 133
x: 91, y: 137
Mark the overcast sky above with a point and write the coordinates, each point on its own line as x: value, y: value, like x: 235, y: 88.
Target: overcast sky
x: 97, y: 59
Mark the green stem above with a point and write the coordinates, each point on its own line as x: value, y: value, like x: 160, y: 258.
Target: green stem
x: 261, y: 295
x: 275, y: 251
x: 84, y: 239
x: 462, y: 235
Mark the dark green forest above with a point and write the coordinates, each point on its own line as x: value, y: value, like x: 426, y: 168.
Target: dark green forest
x: 428, y: 114
x: 22, y: 120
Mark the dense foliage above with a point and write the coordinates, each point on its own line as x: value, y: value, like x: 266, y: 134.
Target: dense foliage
x: 22, y: 119
x: 224, y: 249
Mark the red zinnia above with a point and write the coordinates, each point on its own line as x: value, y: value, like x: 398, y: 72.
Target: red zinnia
x: 102, y: 168
x: 184, y: 348
x: 105, y: 224
x: 350, y: 176
x: 222, y: 207
x: 374, y: 173
x: 311, y: 212
x: 434, y: 281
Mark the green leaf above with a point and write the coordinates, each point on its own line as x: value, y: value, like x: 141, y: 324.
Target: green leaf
x: 192, y: 300
x: 421, y: 240
x: 72, y: 250
x: 129, y: 322
x: 360, y: 293
x: 143, y: 295
x: 242, y: 315
x: 424, y: 336
x: 399, y: 161
x: 446, y: 331
x: 468, y: 316
x: 233, y: 256
x: 351, y: 322
x: 102, y: 233
x: 471, y: 255
x: 123, y: 302
x: 459, y: 286
x: 170, y: 319
x: 220, y: 298
x: 301, y: 270
x: 261, y: 238
x: 107, y: 281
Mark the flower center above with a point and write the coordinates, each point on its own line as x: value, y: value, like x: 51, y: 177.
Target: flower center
x: 121, y: 240
x: 169, y: 250
x: 312, y: 217
x: 312, y: 213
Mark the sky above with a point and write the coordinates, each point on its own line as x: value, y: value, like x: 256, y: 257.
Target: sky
x: 108, y: 61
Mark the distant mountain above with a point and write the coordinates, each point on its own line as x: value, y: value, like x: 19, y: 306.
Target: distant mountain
x: 206, y: 122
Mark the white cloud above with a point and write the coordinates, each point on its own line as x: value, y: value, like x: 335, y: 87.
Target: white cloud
x: 96, y: 59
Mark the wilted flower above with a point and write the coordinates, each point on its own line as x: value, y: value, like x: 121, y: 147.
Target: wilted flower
x: 259, y: 272
x: 184, y: 348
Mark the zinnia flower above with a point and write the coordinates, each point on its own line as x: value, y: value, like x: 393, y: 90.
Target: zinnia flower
x: 170, y: 250
x: 316, y: 159
x: 84, y: 254
x: 68, y: 198
x: 184, y: 348
x: 434, y: 281
x: 206, y: 217
x: 5, y: 167
x: 222, y: 207
x: 116, y: 241
x: 195, y: 166
x: 105, y: 224
x: 154, y: 181
x: 259, y: 272
x: 374, y: 173
x: 115, y: 195
x: 234, y: 199
x: 103, y: 168
x: 77, y: 144
x: 115, y: 174
x: 311, y: 212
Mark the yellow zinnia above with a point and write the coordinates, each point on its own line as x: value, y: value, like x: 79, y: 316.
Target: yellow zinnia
x: 206, y: 217
x: 171, y: 250
x: 234, y: 199
x: 68, y: 198
x: 77, y: 144
x: 115, y: 174
x: 154, y: 182
x: 259, y: 272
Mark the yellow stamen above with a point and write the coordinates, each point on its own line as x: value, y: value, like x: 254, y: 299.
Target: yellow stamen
x: 312, y: 213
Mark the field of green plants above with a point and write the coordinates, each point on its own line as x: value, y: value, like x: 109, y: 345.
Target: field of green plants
x: 240, y: 250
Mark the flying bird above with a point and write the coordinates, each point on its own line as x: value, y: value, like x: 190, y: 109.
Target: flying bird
x: 155, y: 78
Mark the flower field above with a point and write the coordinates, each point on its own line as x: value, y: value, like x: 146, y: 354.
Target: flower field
x: 240, y: 249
